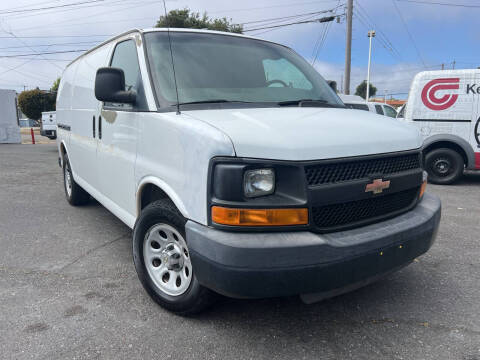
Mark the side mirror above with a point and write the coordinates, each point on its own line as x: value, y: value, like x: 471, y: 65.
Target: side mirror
x: 332, y: 84
x: 110, y: 86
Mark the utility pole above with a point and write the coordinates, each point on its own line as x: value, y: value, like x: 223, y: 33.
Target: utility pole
x: 371, y: 34
x: 443, y: 66
x: 453, y: 64
x: 348, y: 47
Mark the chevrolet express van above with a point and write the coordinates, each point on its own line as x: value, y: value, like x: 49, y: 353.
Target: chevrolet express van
x: 239, y: 169
x: 445, y: 106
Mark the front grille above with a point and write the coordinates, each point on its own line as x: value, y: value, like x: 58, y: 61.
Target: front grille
x: 354, y: 170
x: 330, y: 217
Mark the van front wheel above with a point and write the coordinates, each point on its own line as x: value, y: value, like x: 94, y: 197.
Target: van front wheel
x: 162, y: 260
x: 444, y: 166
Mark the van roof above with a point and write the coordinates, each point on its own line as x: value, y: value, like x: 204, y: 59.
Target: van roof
x: 143, y: 31
x: 446, y: 73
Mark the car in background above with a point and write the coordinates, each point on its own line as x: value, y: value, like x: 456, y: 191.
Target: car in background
x: 358, y: 103
x: 48, y: 125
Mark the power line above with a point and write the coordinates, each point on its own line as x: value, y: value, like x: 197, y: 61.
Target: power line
x: 51, y: 36
x: 43, y: 53
x: 282, y: 18
x: 382, y: 35
x: 55, y: 44
x: 271, y: 6
x: 409, y: 33
x: 441, y: 4
x: 321, y: 20
x: 49, y: 7
x: 321, y: 40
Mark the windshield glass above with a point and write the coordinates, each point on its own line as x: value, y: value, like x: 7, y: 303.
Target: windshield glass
x: 211, y: 68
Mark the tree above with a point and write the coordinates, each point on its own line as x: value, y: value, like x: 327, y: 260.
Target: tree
x: 55, y: 85
x: 33, y: 102
x: 189, y: 19
x: 362, y: 90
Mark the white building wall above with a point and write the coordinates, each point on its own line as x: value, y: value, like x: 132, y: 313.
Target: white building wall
x: 9, y: 129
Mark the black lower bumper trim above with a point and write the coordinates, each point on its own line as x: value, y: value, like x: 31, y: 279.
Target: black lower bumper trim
x: 258, y: 266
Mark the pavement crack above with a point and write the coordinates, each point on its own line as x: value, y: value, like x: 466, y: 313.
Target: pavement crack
x: 91, y: 251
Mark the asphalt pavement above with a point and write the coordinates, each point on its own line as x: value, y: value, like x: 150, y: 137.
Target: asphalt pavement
x: 68, y: 289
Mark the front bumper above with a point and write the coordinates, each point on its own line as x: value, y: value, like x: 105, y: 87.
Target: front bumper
x: 258, y: 265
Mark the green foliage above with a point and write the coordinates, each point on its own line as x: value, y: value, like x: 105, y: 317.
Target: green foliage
x: 188, y: 19
x: 34, y: 102
x: 55, y: 85
x: 362, y: 90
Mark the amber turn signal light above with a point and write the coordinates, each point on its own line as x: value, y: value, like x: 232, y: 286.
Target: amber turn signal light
x: 259, y: 217
x: 424, y: 184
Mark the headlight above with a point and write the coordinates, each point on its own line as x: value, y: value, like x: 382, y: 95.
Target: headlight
x: 258, y: 182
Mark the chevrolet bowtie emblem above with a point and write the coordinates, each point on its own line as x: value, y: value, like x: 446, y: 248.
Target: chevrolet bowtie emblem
x: 377, y: 186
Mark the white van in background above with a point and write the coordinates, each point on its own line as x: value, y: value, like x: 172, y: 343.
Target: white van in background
x: 48, y: 125
x: 358, y: 103
x: 445, y: 106
x: 239, y: 169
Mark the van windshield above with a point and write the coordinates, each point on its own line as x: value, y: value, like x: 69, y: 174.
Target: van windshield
x: 212, y: 68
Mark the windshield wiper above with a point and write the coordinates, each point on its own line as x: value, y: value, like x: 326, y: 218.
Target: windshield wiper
x: 308, y: 102
x: 213, y: 101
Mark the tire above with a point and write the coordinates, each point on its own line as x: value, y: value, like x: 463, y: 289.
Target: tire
x: 75, y: 194
x: 444, y: 166
x: 185, y: 296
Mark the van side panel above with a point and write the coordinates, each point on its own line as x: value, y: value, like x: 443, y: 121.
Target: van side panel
x: 64, y: 106
x: 83, y: 145
x: 443, y: 106
x: 176, y: 150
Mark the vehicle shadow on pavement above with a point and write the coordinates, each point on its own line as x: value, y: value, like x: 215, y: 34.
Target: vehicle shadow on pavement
x: 470, y: 178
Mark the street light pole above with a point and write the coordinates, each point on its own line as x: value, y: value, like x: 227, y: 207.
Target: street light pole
x: 371, y: 34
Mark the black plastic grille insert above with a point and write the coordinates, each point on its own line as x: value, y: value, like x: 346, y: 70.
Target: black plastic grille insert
x: 329, y: 217
x: 353, y: 170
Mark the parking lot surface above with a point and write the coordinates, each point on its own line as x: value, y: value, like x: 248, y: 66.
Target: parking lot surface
x: 68, y: 289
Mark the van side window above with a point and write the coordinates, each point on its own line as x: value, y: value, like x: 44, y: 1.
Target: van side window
x: 379, y: 109
x: 125, y: 58
x: 390, y: 112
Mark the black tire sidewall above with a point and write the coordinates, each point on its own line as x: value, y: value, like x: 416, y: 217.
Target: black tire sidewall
x: 454, y: 157
x: 66, y: 163
x: 160, y: 213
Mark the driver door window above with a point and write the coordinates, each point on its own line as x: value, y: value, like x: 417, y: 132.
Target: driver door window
x: 125, y: 58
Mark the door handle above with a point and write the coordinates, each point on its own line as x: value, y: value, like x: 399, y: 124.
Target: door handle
x: 93, y: 126
x: 100, y: 127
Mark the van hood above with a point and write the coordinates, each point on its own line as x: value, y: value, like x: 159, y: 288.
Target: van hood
x: 305, y: 133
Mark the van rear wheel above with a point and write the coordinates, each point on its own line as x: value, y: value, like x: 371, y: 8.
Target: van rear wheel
x: 162, y: 260
x: 444, y: 166
x: 74, y: 192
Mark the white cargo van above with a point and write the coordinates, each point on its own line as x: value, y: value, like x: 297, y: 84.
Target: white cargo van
x: 48, y: 125
x: 239, y: 169
x: 445, y: 106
